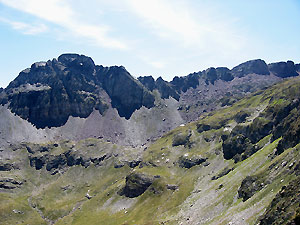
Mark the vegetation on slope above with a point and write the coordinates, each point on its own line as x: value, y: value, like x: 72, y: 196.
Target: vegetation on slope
x: 187, y: 176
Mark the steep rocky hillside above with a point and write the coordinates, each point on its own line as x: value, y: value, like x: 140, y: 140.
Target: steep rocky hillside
x: 235, y: 165
x: 72, y: 98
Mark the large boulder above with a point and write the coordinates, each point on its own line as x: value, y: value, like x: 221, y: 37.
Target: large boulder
x: 189, y: 162
x: 181, y: 139
x: 256, y: 66
x: 250, y: 185
x: 136, y: 184
x: 283, y: 69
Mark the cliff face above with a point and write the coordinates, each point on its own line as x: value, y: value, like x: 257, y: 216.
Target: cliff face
x: 49, y: 92
x: 284, y: 69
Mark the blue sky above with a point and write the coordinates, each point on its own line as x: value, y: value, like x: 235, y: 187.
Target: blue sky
x: 149, y: 37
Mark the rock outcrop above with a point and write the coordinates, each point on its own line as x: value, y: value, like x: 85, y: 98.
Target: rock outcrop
x: 284, y: 209
x: 49, y: 92
x: 256, y: 66
x: 126, y: 93
x: 136, y: 184
x: 10, y: 183
x: 165, y: 89
x: 283, y: 69
x: 221, y: 73
x: 189, y: 162
x: 148, y: 82
x: 184, y: 83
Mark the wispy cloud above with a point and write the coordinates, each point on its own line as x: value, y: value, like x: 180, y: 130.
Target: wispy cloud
x: 59, y: 12
x: 176, y: 20
x: 26, y: 28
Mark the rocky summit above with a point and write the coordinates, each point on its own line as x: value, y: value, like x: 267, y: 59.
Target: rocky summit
x: 86, y: 144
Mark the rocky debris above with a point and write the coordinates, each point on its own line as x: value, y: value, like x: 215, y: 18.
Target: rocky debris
x: 131, y: 164
x: 8, y: 166
x: 285, y: 208
x: 223, y: 173
x: 189, y: 162
x: 9, y: 183
x: 88, y: 196
x: 17, y: 211
x: 172, y: 187
x: 136, y: 184
x: 256, y: 66
x: 283, y: 69
x: 119, y: 165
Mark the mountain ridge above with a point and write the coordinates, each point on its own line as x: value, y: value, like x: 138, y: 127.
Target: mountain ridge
x: 51, y: 93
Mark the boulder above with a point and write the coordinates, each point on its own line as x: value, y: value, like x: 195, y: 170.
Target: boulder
x: 137, y: 184
x: 186, y: 162
x: 250, y: 185
x: 9, y: 183
x: 181, y: 139
x: 7, y: 166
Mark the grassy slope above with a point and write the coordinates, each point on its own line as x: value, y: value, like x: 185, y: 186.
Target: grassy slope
x: 198, y: 199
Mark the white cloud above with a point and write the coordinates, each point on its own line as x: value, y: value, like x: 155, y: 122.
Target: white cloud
x: 176, y: 20
x: 61, y: 13
x: 25, y: 28
x: 157, y: 64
